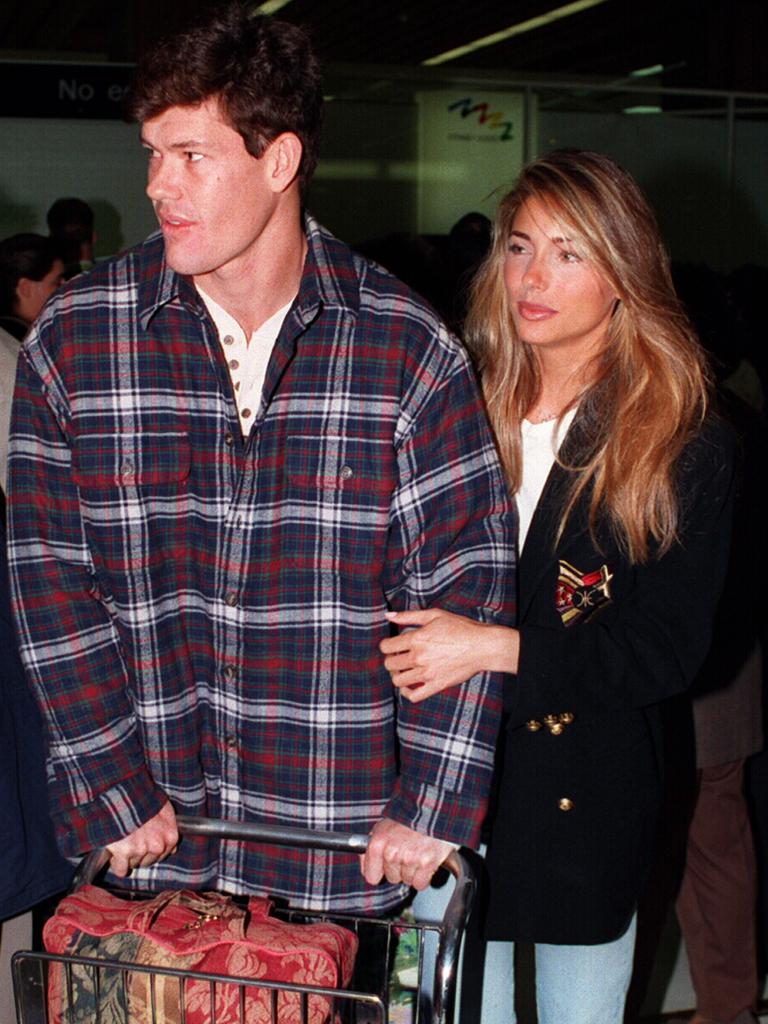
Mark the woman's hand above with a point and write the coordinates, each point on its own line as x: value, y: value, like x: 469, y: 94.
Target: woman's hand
x: 446, y: 650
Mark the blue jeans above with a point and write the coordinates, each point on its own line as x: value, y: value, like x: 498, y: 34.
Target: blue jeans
x: 574, y: 984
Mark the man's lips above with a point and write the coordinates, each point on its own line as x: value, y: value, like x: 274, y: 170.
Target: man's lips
x: 532, y: 311
x: 172, y: 221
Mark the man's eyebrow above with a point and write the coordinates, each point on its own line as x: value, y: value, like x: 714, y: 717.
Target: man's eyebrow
x: 182, y: 144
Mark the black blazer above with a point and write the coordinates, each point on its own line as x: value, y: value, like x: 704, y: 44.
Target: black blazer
x: 602, y: 643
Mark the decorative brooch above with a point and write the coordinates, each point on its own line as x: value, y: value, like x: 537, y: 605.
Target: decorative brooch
x: 580, y: 594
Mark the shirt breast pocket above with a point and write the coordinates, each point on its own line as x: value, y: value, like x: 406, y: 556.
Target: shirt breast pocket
x: 332, y: 466
x: 342, y: 486
x: 102, y: 462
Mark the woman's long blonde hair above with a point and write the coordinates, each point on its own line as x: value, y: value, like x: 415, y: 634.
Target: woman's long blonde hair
x: 649, y: 389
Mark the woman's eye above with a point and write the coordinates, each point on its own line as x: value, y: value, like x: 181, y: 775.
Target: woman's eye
x: 193, y: 157
x: 515, y: 248
x: 569, y: 257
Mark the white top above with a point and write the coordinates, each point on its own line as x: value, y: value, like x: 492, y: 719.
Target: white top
x: 247, y: 358
x: 541, y: 443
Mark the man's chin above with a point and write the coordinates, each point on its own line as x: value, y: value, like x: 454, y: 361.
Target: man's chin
x: 185, y: 264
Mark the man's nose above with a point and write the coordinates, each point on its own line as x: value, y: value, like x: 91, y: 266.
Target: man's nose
x: 162, y: 180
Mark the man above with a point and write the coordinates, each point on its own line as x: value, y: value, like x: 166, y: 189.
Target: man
x: 71, y: 228
x: 235, y: 447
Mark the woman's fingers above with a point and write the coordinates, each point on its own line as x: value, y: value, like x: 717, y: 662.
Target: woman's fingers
x: 416, y: 617
x: 396, y: 644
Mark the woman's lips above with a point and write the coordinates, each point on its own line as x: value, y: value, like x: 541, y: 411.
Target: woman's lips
x: 531, y: 311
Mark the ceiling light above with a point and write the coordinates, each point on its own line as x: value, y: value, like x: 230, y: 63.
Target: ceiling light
x: 643, y: 110
x: 271, y: 6
x: 653, y: 69
x: 514, y: 30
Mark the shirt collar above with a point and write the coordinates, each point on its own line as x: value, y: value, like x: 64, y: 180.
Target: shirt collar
x: 330, y: 278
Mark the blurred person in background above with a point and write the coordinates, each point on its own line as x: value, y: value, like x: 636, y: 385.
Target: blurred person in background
x: 71, y: 229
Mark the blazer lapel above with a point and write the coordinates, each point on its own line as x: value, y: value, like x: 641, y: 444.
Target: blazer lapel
x: 540, y: 549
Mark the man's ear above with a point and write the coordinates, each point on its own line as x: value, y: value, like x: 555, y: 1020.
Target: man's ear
x: 284, y: 156
x: 25, y: 288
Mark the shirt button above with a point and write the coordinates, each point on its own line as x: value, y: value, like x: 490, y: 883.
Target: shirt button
x: 128, y: 469
x: 229, y: 440
x: 228, y: 339
x: 231, y: 599
x: 229, y: 672
x: 346, y: 472
x: 245, y: 413
x: 231, y: 742
x: 233, y: 364
x: 565, y: 804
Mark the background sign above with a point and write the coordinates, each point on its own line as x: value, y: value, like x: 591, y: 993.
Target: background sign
x: 470, y: 144
x: 63, y: 90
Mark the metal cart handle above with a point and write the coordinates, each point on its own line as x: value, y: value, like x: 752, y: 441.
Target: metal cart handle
x: 451, y: 927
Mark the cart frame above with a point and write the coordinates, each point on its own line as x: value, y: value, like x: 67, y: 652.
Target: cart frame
x: 30, y: 970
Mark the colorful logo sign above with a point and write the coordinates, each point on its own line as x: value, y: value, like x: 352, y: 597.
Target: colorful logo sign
x: 494, y: 120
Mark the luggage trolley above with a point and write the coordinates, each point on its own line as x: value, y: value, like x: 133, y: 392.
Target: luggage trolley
x: 434, y: 951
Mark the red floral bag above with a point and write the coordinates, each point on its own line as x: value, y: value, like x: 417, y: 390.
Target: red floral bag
x: 195, y: 932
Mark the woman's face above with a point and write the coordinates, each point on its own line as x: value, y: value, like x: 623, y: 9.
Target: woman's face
x: 560, y: 302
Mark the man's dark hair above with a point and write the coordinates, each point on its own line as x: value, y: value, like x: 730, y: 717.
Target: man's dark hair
x: 24, y: 255
x: 262, y: 71
x: 70, y: 224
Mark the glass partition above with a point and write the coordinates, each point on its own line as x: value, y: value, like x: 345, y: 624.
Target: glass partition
x: 408, y: 152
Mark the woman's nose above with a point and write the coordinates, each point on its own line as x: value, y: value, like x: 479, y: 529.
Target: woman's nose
x: 534, y: 275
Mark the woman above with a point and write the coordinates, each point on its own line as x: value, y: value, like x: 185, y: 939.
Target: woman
x: 598, y: 394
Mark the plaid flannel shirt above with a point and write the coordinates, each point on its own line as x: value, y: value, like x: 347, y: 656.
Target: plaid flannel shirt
x: 199, y: 613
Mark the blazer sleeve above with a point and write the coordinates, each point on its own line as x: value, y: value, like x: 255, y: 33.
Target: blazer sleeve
x: 651, y: 640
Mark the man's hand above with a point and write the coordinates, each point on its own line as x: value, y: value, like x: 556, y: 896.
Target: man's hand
x: 153, y: 841
x: 400, y: 854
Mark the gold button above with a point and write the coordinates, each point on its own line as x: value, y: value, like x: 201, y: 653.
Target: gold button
x: 533, y: 725
x: 556, y: 728
x: 564, y: 803
x: 567, y: 717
